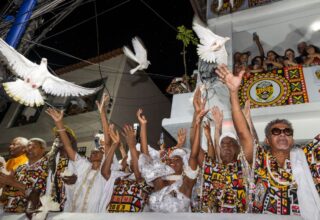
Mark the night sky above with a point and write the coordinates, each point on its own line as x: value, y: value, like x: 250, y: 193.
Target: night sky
x: 154, y: 21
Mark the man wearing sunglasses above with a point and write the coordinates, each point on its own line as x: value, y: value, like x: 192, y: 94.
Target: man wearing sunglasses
x: 286, y: 179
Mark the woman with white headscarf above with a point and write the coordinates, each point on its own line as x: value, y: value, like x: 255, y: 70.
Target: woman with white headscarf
x: 173, y: 180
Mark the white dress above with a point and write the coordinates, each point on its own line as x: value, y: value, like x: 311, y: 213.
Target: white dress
x: 91, y: 192
x: 169, y: 198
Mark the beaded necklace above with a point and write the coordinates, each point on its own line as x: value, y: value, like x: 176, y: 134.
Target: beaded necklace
x: 276, y: 179
x: 251, y: 185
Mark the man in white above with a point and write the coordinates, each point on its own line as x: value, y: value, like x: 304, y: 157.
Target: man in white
x: 90, y: 193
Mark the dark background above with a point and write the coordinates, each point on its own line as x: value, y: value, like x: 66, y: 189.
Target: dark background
x: 154, y: 21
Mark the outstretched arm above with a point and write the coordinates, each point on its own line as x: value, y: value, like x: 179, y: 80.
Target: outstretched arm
x: 128, y: 133
x: 188, y: 182
x: 197, y: 109
x: 57, y: 116
x: 195, y: 149
x: 217, y: 115
x: 198, y: 106
x: 240, y: 123
x: 259, y: 45
x: 143, y: 131
x: 104, y: 122
x: 207, y: 133
x: 123, y: 152
x: 106, y: 166
x: 247, y: 115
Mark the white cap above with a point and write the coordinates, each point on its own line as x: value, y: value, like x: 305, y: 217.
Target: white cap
x: 228, y: 134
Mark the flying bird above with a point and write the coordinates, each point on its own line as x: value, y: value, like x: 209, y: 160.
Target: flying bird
x: 139, y: 55
x: 34, y: 76
x: 211, y: 47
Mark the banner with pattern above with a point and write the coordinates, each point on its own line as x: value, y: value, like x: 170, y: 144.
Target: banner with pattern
x: 280, y: 87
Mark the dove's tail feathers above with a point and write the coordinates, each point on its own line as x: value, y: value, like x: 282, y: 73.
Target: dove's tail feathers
x: 23, y: 93
x: 206, y: 54
x: 132, y: 71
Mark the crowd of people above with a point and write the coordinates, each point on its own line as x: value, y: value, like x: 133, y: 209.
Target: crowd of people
x: 234, y: 175
x: 308, y: 55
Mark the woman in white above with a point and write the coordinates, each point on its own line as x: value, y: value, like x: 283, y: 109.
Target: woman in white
x: 173, y: 180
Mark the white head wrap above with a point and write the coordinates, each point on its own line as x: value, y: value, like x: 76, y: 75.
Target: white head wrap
x: 185, y: 154
x: 153, y: 153
x: 228, y: 134
x: 181, y: 153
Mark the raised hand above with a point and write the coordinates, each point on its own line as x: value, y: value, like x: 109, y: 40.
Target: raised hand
x: 122, y: 150
x: 233, y: 82
x: 207, y: 129
x: 197, y: 100
x: 255, y: 37
x: 202, y: 112
x: 142, y: 119
x: 56, y: 115
x: 102, y: 103
x: 182, y: 136
x: 114, y: 135
x: 217, y: 115
x: 246, y: 110
x: 129, y: 134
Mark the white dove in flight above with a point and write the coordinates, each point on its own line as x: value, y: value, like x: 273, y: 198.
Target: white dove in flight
x: 140, y: 55
x: 35, y: 76
x: 211, y: 47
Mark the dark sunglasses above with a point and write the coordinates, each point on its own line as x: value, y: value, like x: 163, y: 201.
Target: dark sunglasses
x: 278, y: 131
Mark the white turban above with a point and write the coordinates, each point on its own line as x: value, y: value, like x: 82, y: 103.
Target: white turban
x: 181, y: 153
x: 228, y: 134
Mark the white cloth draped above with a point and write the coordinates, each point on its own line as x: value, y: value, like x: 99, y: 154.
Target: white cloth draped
x: 308, y: 197
x: 99, y: 194
x: 169, y: 199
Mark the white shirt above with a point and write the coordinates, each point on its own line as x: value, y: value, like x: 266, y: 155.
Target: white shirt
x: 91, y: 192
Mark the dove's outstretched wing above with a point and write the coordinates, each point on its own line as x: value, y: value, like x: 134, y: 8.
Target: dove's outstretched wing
x: 139, y: 55
x: 206, y: 36
x: 139, y: 49
x: 19, y: 64
x: 211, y: 47
x: 130, y: 54
x: 59, y: 87
x: 222, y: 56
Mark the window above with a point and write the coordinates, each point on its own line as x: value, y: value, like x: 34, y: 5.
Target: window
x: 27, y: 115
x: 76, y: 105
